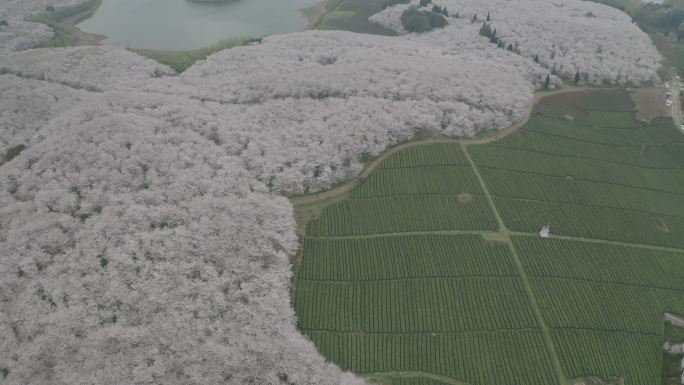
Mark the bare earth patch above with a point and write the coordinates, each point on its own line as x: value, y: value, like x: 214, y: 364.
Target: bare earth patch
x: 650, y: 103
x: 562, y: 105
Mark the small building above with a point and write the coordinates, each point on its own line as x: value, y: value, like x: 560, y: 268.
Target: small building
x: 544, y: 232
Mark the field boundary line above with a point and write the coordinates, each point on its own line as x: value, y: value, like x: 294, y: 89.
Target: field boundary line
x: 478, y: 331
x: 489, y: 235
x: 444, y: 165
x: 603, y: 241
x: 546, y: 334
x: 613, y: 331
x: 581, y: 179
x: 342, y: 282
x: 352, y: 198
x: 621, y: 145
x: 606, y: 282
x: 435, y: 333
x: 583, y: 157
x: 587, y: 206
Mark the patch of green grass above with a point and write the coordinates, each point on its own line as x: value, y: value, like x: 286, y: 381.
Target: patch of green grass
x: 674, y: 333
x: 358, y: 22
x: 486, y: 134
x: 182, y: 60
x: 62, y: 23
x: 678, y: 51
x: 64, y: 36
x: 60, y: 15
x: 13, y: 152
x: 336, y: 18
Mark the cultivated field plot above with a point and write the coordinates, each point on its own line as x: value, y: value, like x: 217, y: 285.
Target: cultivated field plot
x: 651, y: 104
x: 413, y: 191
x: 616, y: 180
x: 433, y: 272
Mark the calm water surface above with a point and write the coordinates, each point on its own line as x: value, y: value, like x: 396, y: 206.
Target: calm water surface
x: 185, y: 25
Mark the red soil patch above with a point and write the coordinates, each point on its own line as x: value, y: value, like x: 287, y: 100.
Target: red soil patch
x: 566, y: 99
x: 569, y: 98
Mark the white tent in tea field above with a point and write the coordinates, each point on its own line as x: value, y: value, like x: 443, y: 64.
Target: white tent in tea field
x: 544, y: 232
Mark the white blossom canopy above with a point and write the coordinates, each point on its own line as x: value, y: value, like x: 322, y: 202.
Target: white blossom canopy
x: 144, y: 233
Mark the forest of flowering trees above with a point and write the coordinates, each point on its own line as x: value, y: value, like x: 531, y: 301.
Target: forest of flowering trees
x: 566, y: 36
x: 145, y: 235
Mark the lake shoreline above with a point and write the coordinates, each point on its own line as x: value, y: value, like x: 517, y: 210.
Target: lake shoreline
x: 69, y: 26
x: 84, y: 38
x: 317, y: 12
x: 182, y: 60
x: 97, y: 38
x: 206, y: 23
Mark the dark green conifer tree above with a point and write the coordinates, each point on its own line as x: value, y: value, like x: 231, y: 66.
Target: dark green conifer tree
x: 486, y: 30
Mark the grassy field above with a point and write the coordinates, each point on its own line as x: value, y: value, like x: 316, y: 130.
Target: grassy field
x: 63, y: 23
x: 350, y: 15
x: 182, y: 60
x: 431, y: 270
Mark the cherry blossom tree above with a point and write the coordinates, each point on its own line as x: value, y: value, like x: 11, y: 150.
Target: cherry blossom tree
x: 145, y: 235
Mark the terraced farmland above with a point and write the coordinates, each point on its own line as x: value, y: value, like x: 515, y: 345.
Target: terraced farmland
x: 432, y: 271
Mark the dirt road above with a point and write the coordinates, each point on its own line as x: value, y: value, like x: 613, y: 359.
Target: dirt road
x: 676, y: 105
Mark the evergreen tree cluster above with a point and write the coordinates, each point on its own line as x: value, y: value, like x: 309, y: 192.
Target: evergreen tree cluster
x: 487, y: 31
x: 440, y: 10
x: 414, y: 20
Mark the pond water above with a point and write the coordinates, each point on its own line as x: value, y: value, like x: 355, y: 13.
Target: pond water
x: 187, y: 25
